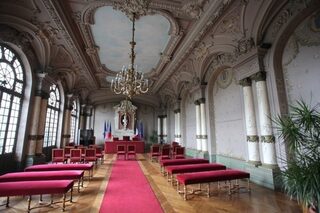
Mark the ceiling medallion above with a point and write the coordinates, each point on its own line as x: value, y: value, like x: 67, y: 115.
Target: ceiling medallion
x: 129, y: 7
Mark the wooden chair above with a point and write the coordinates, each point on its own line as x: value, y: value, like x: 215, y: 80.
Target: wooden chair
x: 121, y: 150
x: 67, y: 151
x: 131, y: 150
x: 58, y: 156
x: 75, y: 156
x: 99, y: 154
x: 165, y: 153
x: 179, y: 154
x: 154, y: 151
x: 90, y: 156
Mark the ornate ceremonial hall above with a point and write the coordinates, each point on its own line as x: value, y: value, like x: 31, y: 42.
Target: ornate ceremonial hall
x: 159, y: 106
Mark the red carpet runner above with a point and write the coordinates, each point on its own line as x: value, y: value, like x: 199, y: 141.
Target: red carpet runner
x: 129, y: 191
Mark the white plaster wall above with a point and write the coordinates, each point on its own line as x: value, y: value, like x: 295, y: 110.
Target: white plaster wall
x: 104, y: 112
x: 190, y: 123
x: 301, y: 68
x: 230, y: 130
x: 146, y: 114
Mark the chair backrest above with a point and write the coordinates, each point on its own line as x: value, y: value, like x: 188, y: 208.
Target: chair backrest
x: 115, y: 138
x: 180, y: 151
x: 57, y: 153
x: 165, y: 150
x: 121, y: 148
x: 174, y: 143
x: 155, y: 148
x: 98, y: 150
x: 67, y: 149
x: 90, y: 152
x: 131, y: 148
x: 174, y: 148
x: 75, y: 153
x: 126, y: 138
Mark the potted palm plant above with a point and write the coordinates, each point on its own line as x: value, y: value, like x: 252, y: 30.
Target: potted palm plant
x: 300, y: 130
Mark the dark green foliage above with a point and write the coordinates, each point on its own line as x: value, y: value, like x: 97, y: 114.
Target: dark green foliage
x: 300, y: 130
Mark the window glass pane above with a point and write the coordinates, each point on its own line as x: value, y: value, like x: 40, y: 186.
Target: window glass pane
x: 11, y: 85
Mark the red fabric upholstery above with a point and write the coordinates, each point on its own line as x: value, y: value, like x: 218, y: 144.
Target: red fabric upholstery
x: 165, y: 153
x: 179, y: 152
x: 56, y: 167
x: 75, y: 156
x: 194, y: 168
x: 131, y: 151
x: 58, y: 156
x: 67, y: 150
x: 45, y: 175
x: 155, y: 151
x: 211, y: 176
x: 171, y: 162
x: 121, y: 150
x: 35, y: 187
x: 90, y: 156
x: 99, y: 154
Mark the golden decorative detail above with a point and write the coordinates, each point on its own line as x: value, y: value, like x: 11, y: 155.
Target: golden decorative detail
x: 267, y: 139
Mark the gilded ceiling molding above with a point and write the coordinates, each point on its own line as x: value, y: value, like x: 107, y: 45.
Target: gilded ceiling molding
x: 209, y: 17
x: 130, y: 7
x: 193, y: 9
x: 73, y: 49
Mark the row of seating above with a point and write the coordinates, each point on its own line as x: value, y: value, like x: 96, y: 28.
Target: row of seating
x: 44, y: 179
x: 126, y: 151
x: 166, y: 151
x: 77, y: 154
x: 185, y: 172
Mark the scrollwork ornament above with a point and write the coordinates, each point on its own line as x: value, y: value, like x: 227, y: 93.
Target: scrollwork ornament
x: 253, y: 138
x: 130, y: 7
x: 267, y: 139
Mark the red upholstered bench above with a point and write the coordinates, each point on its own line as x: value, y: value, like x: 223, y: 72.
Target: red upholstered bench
x: 29, y: 188
x: 177, y: 169
x: 165, y: 163
x: 210, y: 176
x: 44, y: 175
x: 58, y: 167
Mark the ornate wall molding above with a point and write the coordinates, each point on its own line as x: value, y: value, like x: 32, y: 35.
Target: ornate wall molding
x: 267, y: 139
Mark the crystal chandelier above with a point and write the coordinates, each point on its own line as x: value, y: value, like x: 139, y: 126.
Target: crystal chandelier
x: 129, y: 81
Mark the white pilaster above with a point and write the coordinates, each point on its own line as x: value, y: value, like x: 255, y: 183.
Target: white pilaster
x: 204, y: 137
x: 165, y: 132
x: 251, y: 127
x: 267, y: 138
x: 198, y: 126
x: 159, y: 129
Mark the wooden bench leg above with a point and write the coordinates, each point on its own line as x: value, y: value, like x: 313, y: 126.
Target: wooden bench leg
x: 185, y: 192
x: 7, y: 203
x: 71, y: 191
x: 208, y: 194
x: 79, y: 183
x: 249, y: 190
x: 64, y: 202
x: 29, y: 203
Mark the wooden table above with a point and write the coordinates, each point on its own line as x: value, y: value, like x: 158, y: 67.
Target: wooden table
x: 110, y: 147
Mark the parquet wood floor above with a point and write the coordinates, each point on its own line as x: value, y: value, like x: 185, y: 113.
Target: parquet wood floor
x: 260, y: 200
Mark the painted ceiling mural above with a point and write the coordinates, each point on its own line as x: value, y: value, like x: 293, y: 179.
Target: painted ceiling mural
x: 112, y: 32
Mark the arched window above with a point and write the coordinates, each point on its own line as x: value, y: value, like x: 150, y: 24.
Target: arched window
x: 73, y: 125
x: 11, y: 95
x: 52, y: 117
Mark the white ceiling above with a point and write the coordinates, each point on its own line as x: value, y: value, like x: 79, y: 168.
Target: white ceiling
x: 112, y: 33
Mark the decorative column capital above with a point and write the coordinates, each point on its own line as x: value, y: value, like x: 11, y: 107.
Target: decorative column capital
x: 202, y: 100
x: 40, y: 76
x: 177, y: 111
x: 197, y: 102
x: 259, y: 76
x: 246, y: 82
